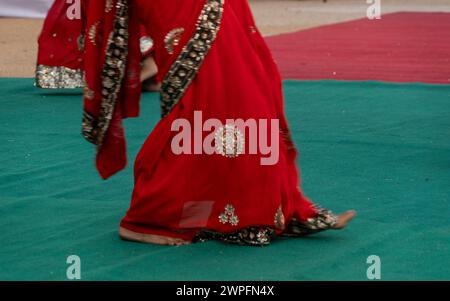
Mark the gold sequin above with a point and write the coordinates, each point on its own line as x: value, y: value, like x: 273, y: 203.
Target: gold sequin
x: 192, y: 56
x: 325, y: 219
x: 279, y: 220
x: 51, y: 77
x: 229, y: 216
x: 93, y: 33
x: 172, y: 39
x: 229, y: 141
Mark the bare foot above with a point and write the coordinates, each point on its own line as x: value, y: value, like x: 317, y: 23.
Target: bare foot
x: 128, y: 235
x: 344, y: 218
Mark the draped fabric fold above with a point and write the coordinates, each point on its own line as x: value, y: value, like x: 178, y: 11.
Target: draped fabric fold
x: 112, y: 89
x: 215, y: 63
x: 112, y: 57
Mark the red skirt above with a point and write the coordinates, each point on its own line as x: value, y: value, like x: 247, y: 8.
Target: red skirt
x: 200, y: 196
x: 60, y: 61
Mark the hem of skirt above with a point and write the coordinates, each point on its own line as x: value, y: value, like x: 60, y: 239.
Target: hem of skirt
x: 250, y: 235
x: 58, y: 77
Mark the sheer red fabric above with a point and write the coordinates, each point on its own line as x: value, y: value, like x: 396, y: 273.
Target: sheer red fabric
x: 181, y: 195
x: 60, y: 61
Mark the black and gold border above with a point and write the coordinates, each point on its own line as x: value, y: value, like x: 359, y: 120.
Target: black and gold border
x: 94, y: 130
x: 186, y: 66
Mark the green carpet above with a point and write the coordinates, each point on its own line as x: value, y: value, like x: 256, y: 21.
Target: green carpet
x: 383, y: 149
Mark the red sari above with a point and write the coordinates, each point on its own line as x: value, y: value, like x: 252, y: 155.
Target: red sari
x: 213, y: 60
x: 60, y: 62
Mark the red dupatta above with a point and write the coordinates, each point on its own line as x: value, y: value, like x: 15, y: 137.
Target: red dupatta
x: 112, y: 60
x: 112, y: 69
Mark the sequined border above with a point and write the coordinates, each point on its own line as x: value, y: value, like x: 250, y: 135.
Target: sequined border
x: 89, y: 127
x: 186, y: 66
x: 262, y: 236
x: 58, y: 77
x: 172, y: 39
x: 252, y: 236
x: 324, y: 220
x: 112, y: 76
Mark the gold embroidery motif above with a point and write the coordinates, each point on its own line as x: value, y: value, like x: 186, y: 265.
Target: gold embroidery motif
x: 279, y: 221
x: 93, y: 33
x: 229, y: 216
x: 186, y: 66
x: 58, y: 77
x: 229, y: 141
x: 172, y: 39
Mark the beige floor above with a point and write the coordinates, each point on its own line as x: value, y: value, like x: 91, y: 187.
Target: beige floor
x: 18, y: 37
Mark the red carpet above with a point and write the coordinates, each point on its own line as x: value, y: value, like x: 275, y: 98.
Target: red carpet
x: 401, y: 47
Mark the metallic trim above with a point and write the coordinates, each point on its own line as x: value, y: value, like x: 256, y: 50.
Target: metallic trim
x: 112, y: 76
x: 186, y: 66
x: 58, y: 77
x: 92, y: 33
x: 279, y: 220
x: 324, y: 220
x: 172, y: 39
x: 89, y: 127
x: 251, y: 236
